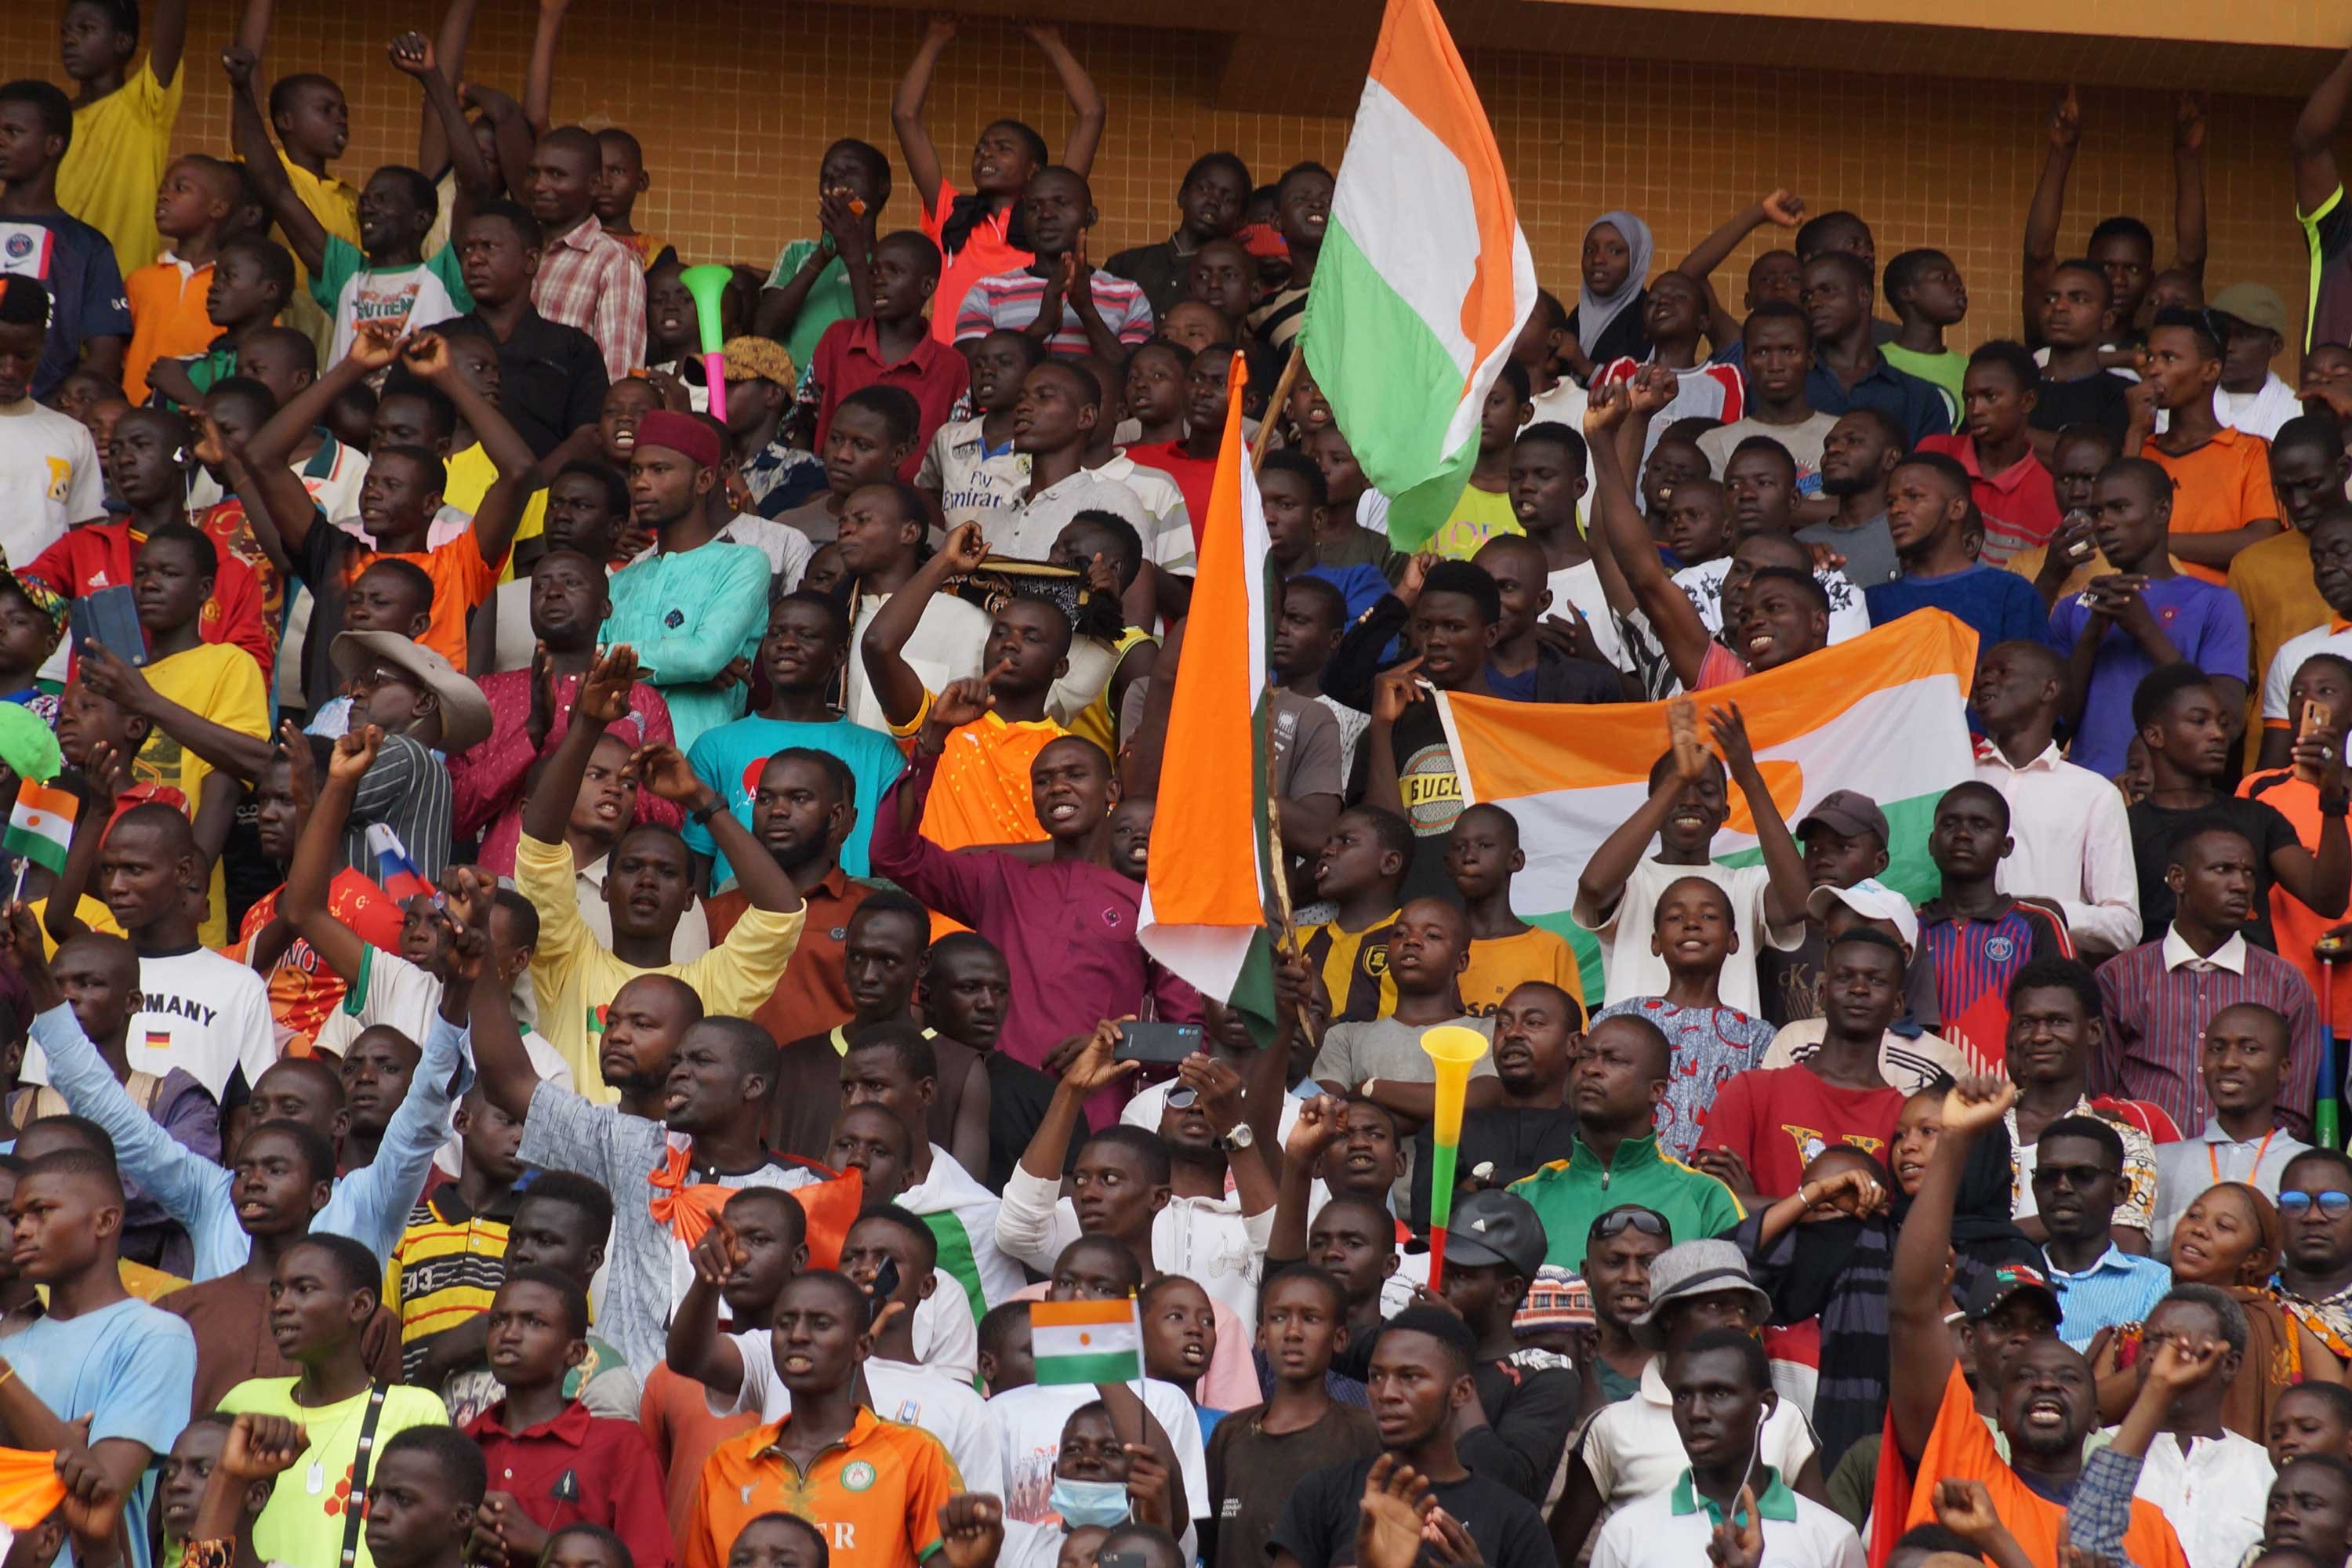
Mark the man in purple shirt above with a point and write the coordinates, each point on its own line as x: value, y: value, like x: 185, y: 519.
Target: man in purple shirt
x: 1066, y: 925
x: 2142, y: 615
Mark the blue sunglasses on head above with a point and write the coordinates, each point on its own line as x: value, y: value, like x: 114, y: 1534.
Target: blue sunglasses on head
x: 2333, y: 1204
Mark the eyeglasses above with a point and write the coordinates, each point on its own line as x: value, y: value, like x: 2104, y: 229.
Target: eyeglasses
x: 1619, y: 1220
x: 2332, y: 1205
x: 1181, y: 1096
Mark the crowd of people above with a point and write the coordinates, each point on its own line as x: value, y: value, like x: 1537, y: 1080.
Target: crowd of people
x: 575, y: 971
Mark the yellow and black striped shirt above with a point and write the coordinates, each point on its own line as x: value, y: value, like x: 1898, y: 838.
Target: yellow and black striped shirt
x: 1354, y: 967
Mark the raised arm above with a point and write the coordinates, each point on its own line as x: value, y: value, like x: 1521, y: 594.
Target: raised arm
x: 250, y: 135
x: 695, y: 1349
x: 602, y: 699
x: 1672, y: 618
x: 906, y: 113
x: 1917, y: 1297
x: 2047, y: 210
x: 2312, y: 144
x: 896, y: 685
x: 412, y: 55
x: 2189, y: 185
x: 167, y: 39
x: 190, y: 1188
x: 1601, y: 886
x: 319, y: 852
x: 663, y: 769
x: 509, y: 130
x: 427, y: 353
x: 2321, y: 879
x: 1783, y: 207
x: 434, y: 140
x: 1790, y: 886
x: 1085, y: 101
x: 373, y: 348
x: 539, y: 78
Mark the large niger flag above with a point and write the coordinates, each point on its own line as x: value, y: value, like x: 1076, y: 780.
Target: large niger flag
x: 1424, y: 277
x: 1209, y: 884
x: 1882, y: 713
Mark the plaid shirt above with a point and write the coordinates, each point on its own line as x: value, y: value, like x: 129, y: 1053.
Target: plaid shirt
x: 2100, y: 1510
x: 590, y: 280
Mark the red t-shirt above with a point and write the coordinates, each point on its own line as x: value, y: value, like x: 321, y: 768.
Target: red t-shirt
x: 849, y: 359
x: 100, y: 554
x: 1779, y: 1119
x: 303, y: 992
x: 1193, y: 476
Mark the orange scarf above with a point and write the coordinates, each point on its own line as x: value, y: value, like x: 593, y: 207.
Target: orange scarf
x: 832, y: 1205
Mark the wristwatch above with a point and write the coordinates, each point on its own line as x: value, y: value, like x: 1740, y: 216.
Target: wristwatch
x: 1241, y: 1136
x: 702, y: 818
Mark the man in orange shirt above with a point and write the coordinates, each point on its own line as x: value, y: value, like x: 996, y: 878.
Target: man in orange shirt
x: 2222, y: 483
x: 873, y: 1488
x: 983, y: 793
x: 2045, y: 1399
x: 399, y: 497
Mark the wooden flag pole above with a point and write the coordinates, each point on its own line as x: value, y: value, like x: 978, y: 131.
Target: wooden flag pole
x: 1274, y: 404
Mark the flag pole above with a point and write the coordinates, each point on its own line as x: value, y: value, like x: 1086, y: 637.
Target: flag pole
x: 1142, y: 1411
x: 1281, y: 396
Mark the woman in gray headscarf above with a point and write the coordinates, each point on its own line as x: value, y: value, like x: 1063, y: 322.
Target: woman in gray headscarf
x: 1607, y: 321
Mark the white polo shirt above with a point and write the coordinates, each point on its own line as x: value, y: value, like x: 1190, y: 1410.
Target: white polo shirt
x: 1675, y: 1525
x: 1631, y: 1450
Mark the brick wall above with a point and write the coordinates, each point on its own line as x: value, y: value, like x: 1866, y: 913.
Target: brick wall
x: 735, y: 106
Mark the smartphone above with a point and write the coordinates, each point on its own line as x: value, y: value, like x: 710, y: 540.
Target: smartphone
x: 111, y: 616
x: 1165, y: 1044
x: 885, y: 1283
x: 2314, y: 717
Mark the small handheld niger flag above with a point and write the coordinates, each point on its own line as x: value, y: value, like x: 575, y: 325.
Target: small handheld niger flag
x: 1087, y: 1342
x: 40, y: 828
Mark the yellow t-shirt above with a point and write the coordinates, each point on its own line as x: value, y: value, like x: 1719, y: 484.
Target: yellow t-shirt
x: 309, y: 1509
x: 576, y: 977
x: 121, y: 145
x: 218, y: 681
x: 471, y: 475
x: 1499, y: 963
x: 1095, y: 721
x: 1478, y: 516
x: 336, y: 206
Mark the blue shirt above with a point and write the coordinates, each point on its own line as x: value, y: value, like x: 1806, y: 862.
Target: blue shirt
x: 130, y: 1368
x: 1361, y: 585
x: 76, y: 264
x: 369, y: 1206
x: 2206, y: 623
x: 2120, y: 1288
x: 1917, y: 404
x: 730, y: 759
x: 1999, y: 606
x: 690, y: 612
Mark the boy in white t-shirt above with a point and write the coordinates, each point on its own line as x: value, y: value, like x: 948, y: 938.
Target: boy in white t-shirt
x: 49, y: 476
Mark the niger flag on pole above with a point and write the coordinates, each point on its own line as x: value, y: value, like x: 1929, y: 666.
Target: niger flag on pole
x: 1424, y: 277
x: 1210, y: 880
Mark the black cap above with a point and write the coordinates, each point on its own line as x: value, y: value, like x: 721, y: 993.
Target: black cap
x: 1998, y: 1284
x: 1490, y: 1227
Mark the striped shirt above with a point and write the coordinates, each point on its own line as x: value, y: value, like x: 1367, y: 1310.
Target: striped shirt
x: 2120, y: 1288
x: 591, y: 280
x: 1974, y: 961
x: 1011, y: 301
x: 445, y: 1269
x: 2158, y: 999
x: 407, y: 789
x: 1354, y: 967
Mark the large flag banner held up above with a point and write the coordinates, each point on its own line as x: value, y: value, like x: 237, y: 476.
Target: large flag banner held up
x: 1424, y: 277
x: 1881, y: 714
x: 1209, y: 885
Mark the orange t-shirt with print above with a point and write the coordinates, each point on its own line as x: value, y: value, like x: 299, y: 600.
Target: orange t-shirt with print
x: 875, y: 1496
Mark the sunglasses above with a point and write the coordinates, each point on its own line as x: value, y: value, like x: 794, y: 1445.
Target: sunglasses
x: 1182, y: 1098
x: 2333, y: 1204
x: 1622, y: 1220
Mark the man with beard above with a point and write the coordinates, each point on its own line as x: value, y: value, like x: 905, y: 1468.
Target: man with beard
x: 2043, y: 1394
x: 1858, y: 456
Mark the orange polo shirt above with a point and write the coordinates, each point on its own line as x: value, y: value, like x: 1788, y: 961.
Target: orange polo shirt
x: 2222, y: 485
x: 167, y: 318
x: 875, y: 1496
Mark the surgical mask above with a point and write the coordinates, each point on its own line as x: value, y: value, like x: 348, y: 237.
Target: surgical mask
x: 1081, y: 1503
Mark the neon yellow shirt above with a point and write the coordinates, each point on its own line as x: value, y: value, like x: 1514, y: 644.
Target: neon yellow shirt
x: 121, y: 145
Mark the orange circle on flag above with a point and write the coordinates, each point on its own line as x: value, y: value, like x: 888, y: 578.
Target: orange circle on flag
x: 1086, y: 1339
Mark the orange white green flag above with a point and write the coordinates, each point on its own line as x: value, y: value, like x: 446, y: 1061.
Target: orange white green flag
x: 1424, y: 277
x: 1208, y: 886
x: 1882, y: 713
